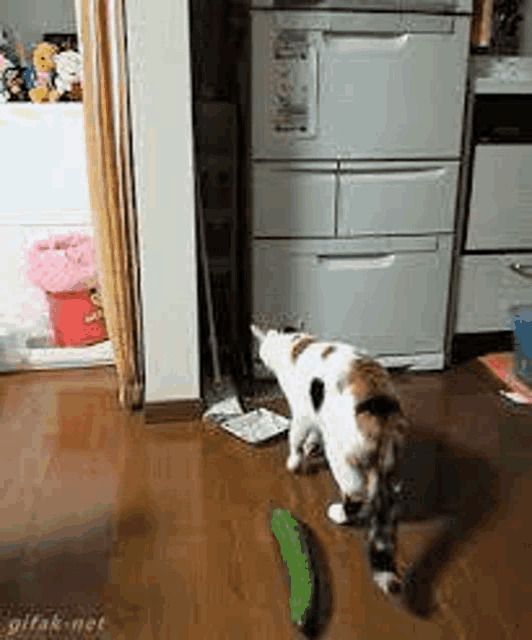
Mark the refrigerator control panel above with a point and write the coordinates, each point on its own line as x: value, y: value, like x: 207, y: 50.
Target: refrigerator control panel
x: 293, y: 78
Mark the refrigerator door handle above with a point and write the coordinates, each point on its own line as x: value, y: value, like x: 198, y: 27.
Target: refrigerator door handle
x: 524, y: 270
x: 356, y: 262
x: 358, y: 43
x: 401, y: 173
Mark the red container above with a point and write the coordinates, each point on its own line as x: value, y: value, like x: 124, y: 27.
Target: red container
x: 76, y: 318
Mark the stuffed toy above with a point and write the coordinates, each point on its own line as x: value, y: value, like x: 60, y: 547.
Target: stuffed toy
x: 5, y: 66
x: 69, y: 78
x: 15, y: 85
x: 13, y: 66
x: 44, y: 63
x: 10, y: 46
x: 97, y: 301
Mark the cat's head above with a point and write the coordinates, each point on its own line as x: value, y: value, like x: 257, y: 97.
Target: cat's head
x: 275, y: 346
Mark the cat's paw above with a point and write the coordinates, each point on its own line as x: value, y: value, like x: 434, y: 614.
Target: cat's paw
x: 293, y: 462
x: 358, y: 513
x: 337, y: 514
x: 388, y: 582
x: 364, y: 512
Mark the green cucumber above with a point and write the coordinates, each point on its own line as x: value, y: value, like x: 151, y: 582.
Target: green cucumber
x: 296, y: 556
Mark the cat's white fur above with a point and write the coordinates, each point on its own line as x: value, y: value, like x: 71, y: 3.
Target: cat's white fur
x: 335, y: 425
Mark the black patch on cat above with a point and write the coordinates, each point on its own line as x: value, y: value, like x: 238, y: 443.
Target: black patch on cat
x: 381, y: 561
x: 380, y: 406
x: 369, y: 460
x: 317, y: 393
x: 289, y: 330
x: 352, y: 508
x: 395, y: 588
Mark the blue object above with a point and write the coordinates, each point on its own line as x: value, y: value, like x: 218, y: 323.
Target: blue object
x: 30, y: 77
x: 522, y: 327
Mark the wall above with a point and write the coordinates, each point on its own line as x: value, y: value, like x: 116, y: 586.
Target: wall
x: 35, y: 17
x: 526, y: 29
x: 161, y: 103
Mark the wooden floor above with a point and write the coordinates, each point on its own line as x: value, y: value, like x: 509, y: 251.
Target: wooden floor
x: 193, y: 554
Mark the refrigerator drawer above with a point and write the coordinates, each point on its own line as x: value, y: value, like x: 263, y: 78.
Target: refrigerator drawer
x: 334, y: 85
x: 396, y: 198
x: 388, y: 295
x: 489, y: 286
x: 294, y: 199
x: 500, y: 214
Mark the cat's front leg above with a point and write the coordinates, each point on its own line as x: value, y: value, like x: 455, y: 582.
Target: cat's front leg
x: 296, y: 437
x: 313, y: 444
x: 351, y: 483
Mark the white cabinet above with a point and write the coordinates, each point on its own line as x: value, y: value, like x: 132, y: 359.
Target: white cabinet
x: 500, y: 215
x: 387, y: 294
x: 489, y: 286
x: 43, y: 161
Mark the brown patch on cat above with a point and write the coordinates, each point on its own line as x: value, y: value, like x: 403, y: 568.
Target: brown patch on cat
x: 385, y: 432
x: 386, y: 438
x: 372, y: 483
x: 300, y: 346
x: 367, y: 378
x: 327, y: 351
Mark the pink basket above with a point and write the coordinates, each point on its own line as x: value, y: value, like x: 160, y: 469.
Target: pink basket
x: 63, y: 263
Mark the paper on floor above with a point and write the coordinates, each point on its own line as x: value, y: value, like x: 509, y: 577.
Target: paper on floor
x: 228, y: 408
x: 256, y: 426
x: 516, y: 397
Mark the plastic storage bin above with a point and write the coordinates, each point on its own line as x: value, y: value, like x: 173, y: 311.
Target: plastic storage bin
x: 76, y: 318
x: 522, y: 327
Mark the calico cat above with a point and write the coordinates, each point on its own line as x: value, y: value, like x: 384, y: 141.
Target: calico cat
x: 344, y: 401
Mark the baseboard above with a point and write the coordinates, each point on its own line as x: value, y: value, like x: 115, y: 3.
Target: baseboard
x: 415, y: 362
x: 172, y: 411
x: 51, y: 358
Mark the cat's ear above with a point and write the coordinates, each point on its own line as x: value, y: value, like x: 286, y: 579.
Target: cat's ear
x: 289, y: 330
x: 260, y: 335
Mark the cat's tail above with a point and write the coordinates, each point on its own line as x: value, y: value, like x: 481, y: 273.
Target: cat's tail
x: 381, y: 554
x: 382, y: 417
x: 382, y: 541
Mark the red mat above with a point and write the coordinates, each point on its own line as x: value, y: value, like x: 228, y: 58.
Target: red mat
x: 501, y: 366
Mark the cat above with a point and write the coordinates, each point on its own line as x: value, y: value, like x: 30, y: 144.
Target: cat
x: 343, y: 402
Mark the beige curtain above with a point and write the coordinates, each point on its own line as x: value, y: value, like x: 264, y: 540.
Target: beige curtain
x: 109, y: 149
x: 482, y: 23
